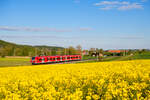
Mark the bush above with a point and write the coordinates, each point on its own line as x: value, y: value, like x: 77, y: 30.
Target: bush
x: 3, y: 56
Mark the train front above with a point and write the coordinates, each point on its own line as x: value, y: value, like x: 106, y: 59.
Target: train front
x: 32, y: 60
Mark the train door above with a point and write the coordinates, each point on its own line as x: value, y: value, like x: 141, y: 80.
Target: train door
x: 61, y: 58
x: 43, y: 60
x: 55, y: 58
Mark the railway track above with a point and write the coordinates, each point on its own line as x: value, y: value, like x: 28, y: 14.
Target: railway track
x: 67, y: 62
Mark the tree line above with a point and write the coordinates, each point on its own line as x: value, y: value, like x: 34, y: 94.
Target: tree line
x: 10, y: 49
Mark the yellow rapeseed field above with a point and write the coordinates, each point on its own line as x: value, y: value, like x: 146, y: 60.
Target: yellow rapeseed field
x: 86, y: 81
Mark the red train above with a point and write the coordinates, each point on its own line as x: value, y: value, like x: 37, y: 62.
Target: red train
x: 54, y: 59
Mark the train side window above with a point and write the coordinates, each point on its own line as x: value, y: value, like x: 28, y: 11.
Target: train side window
x: 40, y: 59
x: 33, y: 58
x: 58, y: 58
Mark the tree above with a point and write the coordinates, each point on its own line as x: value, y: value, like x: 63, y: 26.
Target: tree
x: 79, y: 49
x: 91, y: 51
x: 8, y: 50
x: 130, y: 52
x: 100, y: 58
x: 53, y: 52
x: 97, y: 50
x: 64, y: 51
x: 101, y: 51
x: 72, y: 50
x: 3, y: 52
x: 18, y: 52
x: 59, y: 52
x: 49, y: 52
x: 143, y: 50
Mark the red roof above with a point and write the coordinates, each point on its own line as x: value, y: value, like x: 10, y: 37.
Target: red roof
x: 116, y: 51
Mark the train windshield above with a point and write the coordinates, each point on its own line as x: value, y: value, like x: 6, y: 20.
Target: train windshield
x: 33, y: 58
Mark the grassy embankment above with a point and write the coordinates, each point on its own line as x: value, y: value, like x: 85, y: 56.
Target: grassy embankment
x: 4, y: 62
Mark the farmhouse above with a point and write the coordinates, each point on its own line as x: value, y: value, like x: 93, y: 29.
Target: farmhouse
x: 116, y: 51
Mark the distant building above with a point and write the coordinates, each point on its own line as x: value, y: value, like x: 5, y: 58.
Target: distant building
x: 94, y: 54
x: 85, y: 52
x: 117, y: 51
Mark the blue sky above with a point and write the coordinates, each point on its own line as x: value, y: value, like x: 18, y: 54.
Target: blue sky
x: 107, y: 24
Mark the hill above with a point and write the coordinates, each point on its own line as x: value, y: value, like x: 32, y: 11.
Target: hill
x: 12, y: 49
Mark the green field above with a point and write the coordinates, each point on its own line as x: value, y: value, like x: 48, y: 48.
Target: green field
x: 117, y: 58
x: 88, y: 58
x: 128, y: 57
x: 141, y: 56
x: 4, y: 62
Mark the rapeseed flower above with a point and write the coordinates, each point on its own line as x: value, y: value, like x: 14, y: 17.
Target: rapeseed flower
x: 87, y: 81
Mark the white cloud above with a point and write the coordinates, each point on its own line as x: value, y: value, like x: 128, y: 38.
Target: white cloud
x: 131, y: 37
x: 111, y: 3
x: 106, y: 8
x: 119, y: 5
x: 144, y: 0
x: 131, y: 6
x: 85, y: 29
x: 31, y: 29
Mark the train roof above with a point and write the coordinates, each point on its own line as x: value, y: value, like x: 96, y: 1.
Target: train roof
x: 56, y: 56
